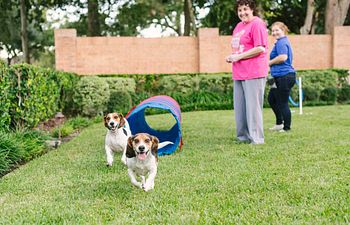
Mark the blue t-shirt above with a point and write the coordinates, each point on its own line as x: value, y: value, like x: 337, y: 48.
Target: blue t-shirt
x: 282, y: 47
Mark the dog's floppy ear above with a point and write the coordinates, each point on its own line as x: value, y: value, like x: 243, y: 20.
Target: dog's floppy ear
x: 122, y: 120
x: 155, y: 143
x: 130, y: 153
x: 105, y: 120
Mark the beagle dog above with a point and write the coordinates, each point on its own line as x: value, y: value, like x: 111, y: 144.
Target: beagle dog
x: 117, y: 136
x: 142, y: 159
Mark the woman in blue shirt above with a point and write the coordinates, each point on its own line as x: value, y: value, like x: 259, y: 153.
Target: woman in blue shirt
x: 283, y: 73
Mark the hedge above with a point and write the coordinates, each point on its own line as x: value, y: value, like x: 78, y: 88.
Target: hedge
x: 32, y: 94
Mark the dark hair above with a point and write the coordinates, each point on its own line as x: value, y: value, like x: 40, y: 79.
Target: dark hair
x: 250, y: 3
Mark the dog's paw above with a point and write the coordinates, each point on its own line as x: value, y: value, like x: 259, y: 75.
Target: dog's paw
x: 123, y: 161
x: 109, y: 164
x: 147, y: 187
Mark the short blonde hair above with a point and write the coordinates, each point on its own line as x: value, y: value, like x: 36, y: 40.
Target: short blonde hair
x: 282, y: 26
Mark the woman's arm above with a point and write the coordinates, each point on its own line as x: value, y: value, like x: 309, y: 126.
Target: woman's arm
x: 278, y: 59
x: 245, y: 55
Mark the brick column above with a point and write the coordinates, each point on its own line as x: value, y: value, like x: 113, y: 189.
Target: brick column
x: 65, y: 49
x: 341, y: 46
x: 209, y: 50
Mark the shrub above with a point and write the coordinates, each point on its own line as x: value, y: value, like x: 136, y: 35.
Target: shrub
x: 343, y: 75
x: 137, y: 98
x: 329, y: 95
x: 31, y: 143
x: 310, y: 94
x: 121, y: 84
x: 344, y: 94
x: 79, y: 122
x: 35, y: 95
x: 180, y: 84
x: 63, y: 131
x: 91, y: 96
x: 18, y: 147
x: 5, y: 97
x: 67, y: 83
x: 319, y: 79
x: 119, y: 101
x: 218, y: 83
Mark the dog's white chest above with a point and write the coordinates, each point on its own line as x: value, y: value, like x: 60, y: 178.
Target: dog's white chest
x: 142, y: 168
x: 117, y: 142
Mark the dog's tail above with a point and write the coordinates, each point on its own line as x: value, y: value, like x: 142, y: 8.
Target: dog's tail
x: 164, y: 143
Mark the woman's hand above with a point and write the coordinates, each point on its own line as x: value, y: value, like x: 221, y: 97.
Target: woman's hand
x: 233, y: 58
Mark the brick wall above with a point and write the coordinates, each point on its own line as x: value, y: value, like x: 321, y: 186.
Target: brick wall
x: 205, y: 53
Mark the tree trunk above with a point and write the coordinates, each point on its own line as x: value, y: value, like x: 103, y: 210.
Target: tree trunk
x: 336, y: 11
x: 24, y: 32
x: 190, y: 23
x: 260, y: 10
x: 309, y: 19
x: 93, y: 19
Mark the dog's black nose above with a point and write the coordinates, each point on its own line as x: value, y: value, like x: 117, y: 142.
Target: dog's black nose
x: 111, y: 123
x: 142, y: 148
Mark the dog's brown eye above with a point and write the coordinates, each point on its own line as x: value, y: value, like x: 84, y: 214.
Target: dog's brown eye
x: 108, y: 118
x: 116, y: 117
x: 136, y: 141
x: 147, y: 141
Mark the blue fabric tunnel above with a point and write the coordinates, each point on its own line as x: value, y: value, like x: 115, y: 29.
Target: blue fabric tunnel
x: 138, y: 124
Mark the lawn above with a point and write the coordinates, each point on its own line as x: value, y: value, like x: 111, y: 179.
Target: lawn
x: 300, y: 177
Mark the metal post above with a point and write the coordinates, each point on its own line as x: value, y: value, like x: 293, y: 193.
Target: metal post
x: 300, y: 98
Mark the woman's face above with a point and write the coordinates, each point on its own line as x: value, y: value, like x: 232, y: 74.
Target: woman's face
x: 245, y: 13
x: 277, y: 32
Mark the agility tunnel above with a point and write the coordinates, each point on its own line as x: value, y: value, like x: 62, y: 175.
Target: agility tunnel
x: 138, y: 124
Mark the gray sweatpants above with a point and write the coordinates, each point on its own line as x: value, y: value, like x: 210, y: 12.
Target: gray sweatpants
x: 248, y: 104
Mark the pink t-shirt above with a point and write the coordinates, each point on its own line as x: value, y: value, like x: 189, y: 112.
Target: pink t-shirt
x: 246, y: 36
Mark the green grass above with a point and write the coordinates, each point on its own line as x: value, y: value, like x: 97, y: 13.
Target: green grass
x: 301, y: 177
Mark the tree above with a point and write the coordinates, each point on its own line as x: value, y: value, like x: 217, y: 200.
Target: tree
x: 190, y: 22
x: 309, y: 18
x: 29, y: 29
x: 93, y: 18
x: 24, y: 31
x: 222, y: 14
x: 336, y: 12
x: 10, y: 39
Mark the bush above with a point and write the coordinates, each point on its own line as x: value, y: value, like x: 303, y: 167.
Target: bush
x: 310, y: 94
x: 19, y: 147
x: 35, y: 95
x: 67, y: 83
x: 119, y: 101
x: 319, y: 79
x: 79, y: 122
x: 121, y: 84
x: 344, y: 94
x: 63, y: 131
x: 218, y: 83
x: 180, y: 84
x: 329, y: 95
x: 6, y: 97
x: 91, y: 96
x: 137, y: 98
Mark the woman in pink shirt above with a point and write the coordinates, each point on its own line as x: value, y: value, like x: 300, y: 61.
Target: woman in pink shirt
x: 249, y: 69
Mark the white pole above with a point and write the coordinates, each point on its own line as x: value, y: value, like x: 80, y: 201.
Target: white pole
x: 300, y: 98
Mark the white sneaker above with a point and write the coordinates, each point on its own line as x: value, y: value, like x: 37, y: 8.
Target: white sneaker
x: 276, y: 128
